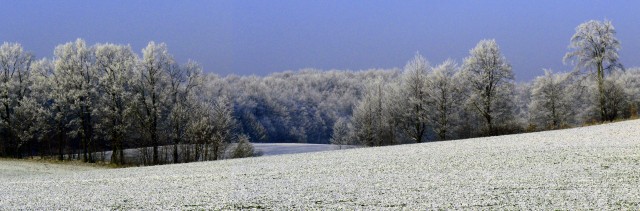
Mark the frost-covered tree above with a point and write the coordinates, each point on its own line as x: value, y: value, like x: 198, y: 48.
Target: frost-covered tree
x: 365, y: 122
x: 223, y: 124
x: 53, y: 112
x: 630, y: 82
x: 15, y: 81
x: 28, y: 122
x: 182, y: 81
x: 595, y: 48
x: 243, y: 148
x: 74, y: 67
x: 393, y: 114
x: 616, y: 97
x: 115, y: 65
x: 550, y: 105
x: 298, y: 106
x: 199, y: 132
x: 150, y: 89
x: 415, y: 116
x: 341, y: 133
x: 372, y: 123
x: 522, y: 99
x: 490, y: 84
x: 100, y: 97
x: 444, y: 96
x: 211, y: 126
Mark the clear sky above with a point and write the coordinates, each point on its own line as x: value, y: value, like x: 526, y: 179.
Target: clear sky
x: 264, y: 36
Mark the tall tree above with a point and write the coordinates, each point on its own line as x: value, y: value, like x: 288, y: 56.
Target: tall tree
x: 370, y: 123
x: 115, y: 65
x: 55, y: 113
x: 550, y: 105
x: 151, y: 88
x: 595, y: 48
x: 414, y: 80
x: 444, y: 94
x: 630, y: 80
x: 616, y: 97
x: 490, y: 83
x: 211, y: 127
x: 182, y: 81
x: 14, y: 87
x: 223, y: 125
x: 74, y: 65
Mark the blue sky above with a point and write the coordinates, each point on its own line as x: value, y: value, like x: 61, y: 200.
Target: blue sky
x: 260, y: 37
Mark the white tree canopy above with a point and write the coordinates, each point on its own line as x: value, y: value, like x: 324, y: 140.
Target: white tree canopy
x: 594, y: 46
x: 415, y: 115
x: 490, y: 82
x: 550, y: 100
x: 444, y: 96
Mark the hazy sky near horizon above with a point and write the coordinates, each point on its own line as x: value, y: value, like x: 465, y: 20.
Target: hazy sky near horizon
x: 261, y: 37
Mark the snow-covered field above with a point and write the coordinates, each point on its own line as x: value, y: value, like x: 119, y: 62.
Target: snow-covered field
x: 595, y: 167
x: 10, y: 168
x: 132, y: 156
x: 268, y: 149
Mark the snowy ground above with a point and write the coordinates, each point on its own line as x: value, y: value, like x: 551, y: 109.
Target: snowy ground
x: 264, y: 149
x: 268, y: 149
x: 594, y: 167
x: 11, y: 168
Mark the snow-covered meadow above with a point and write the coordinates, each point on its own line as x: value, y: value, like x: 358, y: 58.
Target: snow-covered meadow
x: 133, y: 157
x: 596, y: 167
x: 268, y: 149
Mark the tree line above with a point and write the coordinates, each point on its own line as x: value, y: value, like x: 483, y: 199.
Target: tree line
x: 481, y: 98
x: 90, y: 99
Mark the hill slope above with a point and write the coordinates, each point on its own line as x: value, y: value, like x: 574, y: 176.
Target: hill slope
x: 595, y: 167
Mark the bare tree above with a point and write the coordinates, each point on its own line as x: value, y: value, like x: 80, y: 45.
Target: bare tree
x: 14, y: 87
x: 182, y: 81
x: 74, y: 66
x: 115, y: 65
x: 550, y: 105
x: 150, y: 88
x: 48, y: 89
x: 490, y: 83
x: 414, y: 80
x: 616, y: 95
x: 595, y: 48
x: 223, y: 124
x: 368, y: 123
x: 375, y: 118
x: 444, y: 94
x: 630, y: 81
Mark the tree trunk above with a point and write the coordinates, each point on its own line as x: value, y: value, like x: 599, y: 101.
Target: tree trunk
x: 8, y: 141
x: 175, y: 152
x: 154, y: 140
x: 490, y: 124
x: 60, y: 144
x: 216, y: 148
x: 115, y: 151
x: 196, y: 156
x: 601, y: 97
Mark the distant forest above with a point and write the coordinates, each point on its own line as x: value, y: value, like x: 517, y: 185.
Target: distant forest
x: 104, y: 97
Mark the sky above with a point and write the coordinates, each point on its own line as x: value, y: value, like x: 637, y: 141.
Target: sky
x: 260, y: 37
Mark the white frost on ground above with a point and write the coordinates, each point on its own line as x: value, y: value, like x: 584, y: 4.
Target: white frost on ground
x: 21, y: 168
x: 132, y: 156
x: 268, y: 149
x: 595, y: 167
